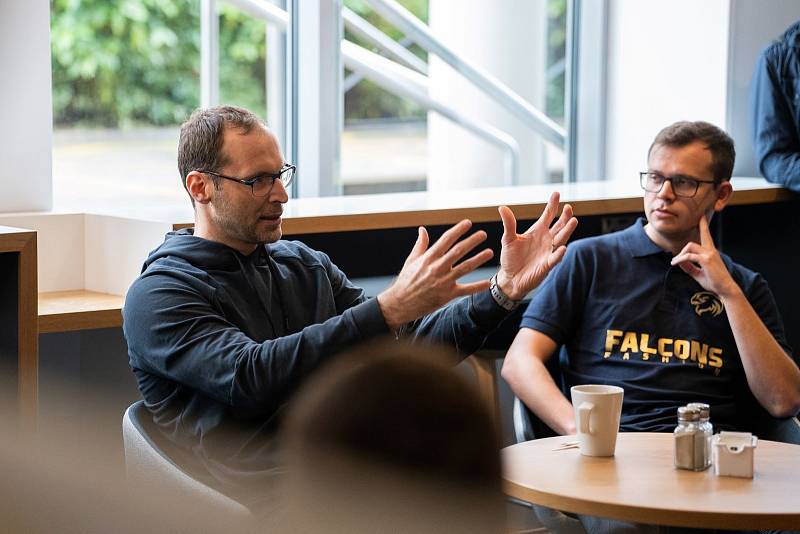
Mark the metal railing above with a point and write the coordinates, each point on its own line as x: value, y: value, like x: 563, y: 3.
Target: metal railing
x: 404, y: 77
x: 406, y: 22
x: 405, y: 82
x: 370, y: 33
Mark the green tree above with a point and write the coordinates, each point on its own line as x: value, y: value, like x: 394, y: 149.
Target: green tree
x: 126, y: 62
x: 132, y: 62
x: 242, y: 60
x: 137, y: 62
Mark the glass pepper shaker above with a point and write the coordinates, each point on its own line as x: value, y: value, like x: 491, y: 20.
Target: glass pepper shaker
x: 706, y: 426
x: 689, y: 440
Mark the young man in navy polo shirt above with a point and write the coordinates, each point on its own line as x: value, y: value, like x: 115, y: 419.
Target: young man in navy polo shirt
x: 657, y: 310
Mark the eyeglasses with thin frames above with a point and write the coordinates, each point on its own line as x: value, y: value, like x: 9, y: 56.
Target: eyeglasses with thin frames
x: 682, y: 186
x: 262, y: 184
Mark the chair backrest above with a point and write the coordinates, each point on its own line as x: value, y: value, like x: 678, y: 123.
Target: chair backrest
x: 527, y: 425
x: 149, y: 468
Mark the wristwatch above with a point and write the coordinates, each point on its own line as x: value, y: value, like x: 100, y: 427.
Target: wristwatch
x: 499, y: 297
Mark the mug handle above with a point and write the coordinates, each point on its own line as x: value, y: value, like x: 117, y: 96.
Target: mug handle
x: 584, y: 415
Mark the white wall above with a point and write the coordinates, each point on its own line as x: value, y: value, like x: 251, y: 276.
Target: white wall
x: 116, y: 249
x: 667, y: 61
x: 59, y: 248
x: 507, y: 39
x: 25, y: 106
x: 79, y: 251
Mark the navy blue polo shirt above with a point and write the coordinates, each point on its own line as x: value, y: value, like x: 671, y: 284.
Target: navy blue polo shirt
x: 626, y: 317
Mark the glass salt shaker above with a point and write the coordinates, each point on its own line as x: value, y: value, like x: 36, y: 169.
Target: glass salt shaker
x: 705, y: 425
x: 689, y: 440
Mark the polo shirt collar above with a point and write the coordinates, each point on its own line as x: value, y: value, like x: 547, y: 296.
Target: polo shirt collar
x: 639, y: 244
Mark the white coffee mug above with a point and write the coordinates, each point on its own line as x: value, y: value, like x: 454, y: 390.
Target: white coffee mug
x: 597, y: 411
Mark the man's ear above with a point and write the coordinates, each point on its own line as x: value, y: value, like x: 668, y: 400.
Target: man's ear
x: 724, y: 193
x: 199, y: 187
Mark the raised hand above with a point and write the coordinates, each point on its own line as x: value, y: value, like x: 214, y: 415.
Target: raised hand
x: 429, y: 276
x: 703, y: 263
x: 525, y: 259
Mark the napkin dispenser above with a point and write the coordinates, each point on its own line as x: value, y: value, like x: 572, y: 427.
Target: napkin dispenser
x: 732, y: 454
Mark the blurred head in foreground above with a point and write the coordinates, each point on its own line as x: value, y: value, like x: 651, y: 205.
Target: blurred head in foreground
x: 392, y: 439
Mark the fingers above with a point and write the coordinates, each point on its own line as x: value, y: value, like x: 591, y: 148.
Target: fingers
x: 470, y: 264
x: 687, y: 256
x: 566, y: 216
x: 462, y: 290
x: 556, y: 257
x: 690, y: 252
x: 462, y: 247
x: 448, y: 238
x: 509, y: 224
x: 549, y: 213
x: 420, y: 246
x: 551, y: 209
x: 691, y: 269
x: 562, y: 236
x: 705, y: 233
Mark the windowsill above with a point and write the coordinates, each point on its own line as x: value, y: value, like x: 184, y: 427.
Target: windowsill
x: 402, y: 210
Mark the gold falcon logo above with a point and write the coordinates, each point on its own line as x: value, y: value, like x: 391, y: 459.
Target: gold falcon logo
x: 706, y: 302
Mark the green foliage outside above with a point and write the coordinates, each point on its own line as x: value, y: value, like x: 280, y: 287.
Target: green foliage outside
x: 367, y: 100
x: 120, y: 63
x: 137, y: 62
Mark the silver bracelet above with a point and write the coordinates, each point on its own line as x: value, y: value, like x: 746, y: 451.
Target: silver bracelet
x: 499, y: 297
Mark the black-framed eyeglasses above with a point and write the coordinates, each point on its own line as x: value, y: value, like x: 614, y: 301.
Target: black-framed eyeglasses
x: 262, y: 184
x: 682, y: 186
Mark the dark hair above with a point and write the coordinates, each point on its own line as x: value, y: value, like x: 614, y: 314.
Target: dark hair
x: 720, y: 144
x: 391, y: 439
x: 404, y: 407
x: 200, y: 143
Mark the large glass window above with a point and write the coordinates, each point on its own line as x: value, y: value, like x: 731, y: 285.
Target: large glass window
x: 456, y: 135
x: 384, y: 140
x: 126, y: 74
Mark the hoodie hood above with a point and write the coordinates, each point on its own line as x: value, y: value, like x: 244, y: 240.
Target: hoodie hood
x: 202, y: 253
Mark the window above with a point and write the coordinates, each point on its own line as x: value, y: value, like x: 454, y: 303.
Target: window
x: 126, y: 74
x: 454, y: 135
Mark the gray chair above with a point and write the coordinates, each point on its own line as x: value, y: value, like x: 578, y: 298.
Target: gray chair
x: 527, y: 425
x: 149, y: 469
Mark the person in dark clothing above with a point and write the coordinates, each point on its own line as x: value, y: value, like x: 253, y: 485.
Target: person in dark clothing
x: 658, y: 311
x: 776, y: 110
x: 227, y: 320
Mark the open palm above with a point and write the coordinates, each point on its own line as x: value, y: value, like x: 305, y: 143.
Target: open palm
x: 527, y: 258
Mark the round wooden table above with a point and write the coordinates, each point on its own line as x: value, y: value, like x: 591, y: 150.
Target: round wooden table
x: 640, y: 484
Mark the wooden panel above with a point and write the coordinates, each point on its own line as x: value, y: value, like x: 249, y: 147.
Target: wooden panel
x: 65, y: 311
x: 28, y: 333
x: 23, y: 244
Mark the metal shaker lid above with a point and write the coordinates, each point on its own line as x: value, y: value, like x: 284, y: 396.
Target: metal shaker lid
x: 687, y: 413
x: 705, y: 409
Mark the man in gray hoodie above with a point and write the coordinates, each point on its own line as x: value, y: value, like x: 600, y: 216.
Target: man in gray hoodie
x: 226, y: 319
